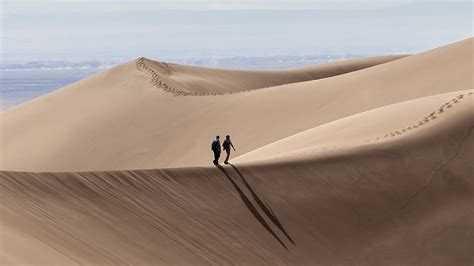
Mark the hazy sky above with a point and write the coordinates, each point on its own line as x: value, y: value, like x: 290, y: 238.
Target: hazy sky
x: 58, y: 29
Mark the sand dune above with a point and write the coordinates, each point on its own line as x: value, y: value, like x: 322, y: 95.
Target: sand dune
x: 119, y: 120
x: 387, y: 202
x: 199, y: 81
x: 393, y: 121
x: 358, y: 162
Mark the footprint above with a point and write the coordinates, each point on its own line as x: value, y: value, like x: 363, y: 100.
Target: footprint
x: 449, y: 106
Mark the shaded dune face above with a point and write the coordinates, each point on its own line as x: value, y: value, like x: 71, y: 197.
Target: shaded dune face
x: 371, y: 167
x: 374, y: 204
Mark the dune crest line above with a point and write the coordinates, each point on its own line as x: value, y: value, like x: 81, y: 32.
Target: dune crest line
x: 219, y: 83
x: 157, y: 82
x: 432, y: 116
x: 419, y: 123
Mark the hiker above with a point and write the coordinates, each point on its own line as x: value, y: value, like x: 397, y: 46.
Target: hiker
x: 216, y: 148
x: 226, y: 145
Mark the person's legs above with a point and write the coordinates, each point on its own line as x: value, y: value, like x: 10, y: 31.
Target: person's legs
x: 217, y: 154
x: 227, y: 157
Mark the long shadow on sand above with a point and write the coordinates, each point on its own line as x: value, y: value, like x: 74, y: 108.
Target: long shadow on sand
x: 253, y: 209
x: 263, y: 205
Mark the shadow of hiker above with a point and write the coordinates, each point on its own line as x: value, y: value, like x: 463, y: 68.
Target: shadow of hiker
x: 263, y: 205
x: 250, y: 206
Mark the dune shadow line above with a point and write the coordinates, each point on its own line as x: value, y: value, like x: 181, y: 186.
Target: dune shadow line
x: 250, y: 206
x: 263, y: 205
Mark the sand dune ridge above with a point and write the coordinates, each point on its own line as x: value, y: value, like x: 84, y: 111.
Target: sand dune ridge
x: 159, y: 71
x: 296, y: 145
x: 432, y: 116
x: 371, y: 167
x: 365, y: 206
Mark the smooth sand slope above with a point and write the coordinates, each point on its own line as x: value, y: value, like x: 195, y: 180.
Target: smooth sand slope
x: 190, y: 80
x: 403, y: 200
x: 390, y: 122
x: 119, y: 120
x: 369, y: 167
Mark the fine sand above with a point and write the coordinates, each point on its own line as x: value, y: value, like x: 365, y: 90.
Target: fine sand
x: 360, y: 162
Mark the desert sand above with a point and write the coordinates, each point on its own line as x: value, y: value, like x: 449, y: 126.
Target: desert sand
x: 366, y: 161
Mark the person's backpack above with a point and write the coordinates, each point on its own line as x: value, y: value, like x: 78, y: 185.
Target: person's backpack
x: 215, y: 145
x: 226, y: 144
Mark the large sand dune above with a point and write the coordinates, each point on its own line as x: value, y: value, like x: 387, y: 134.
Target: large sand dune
x: 372, y: 166
x: 404, y: 201
x: 198, y: 81
x: 393, y: 121
x: 120, y: 120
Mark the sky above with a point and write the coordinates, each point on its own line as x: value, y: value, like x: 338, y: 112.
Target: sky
x: 95, y: 29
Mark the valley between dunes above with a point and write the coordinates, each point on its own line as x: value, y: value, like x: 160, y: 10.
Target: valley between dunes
x: 365, y: 161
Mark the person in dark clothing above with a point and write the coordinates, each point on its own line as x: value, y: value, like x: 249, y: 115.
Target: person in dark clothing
x: 226, y: 145
x: 216, y: 148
